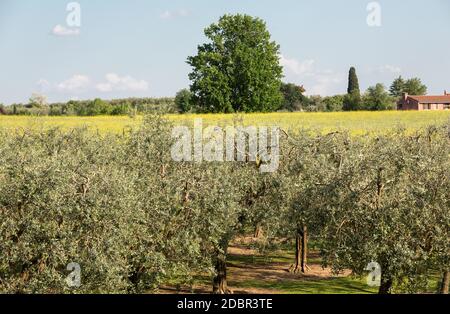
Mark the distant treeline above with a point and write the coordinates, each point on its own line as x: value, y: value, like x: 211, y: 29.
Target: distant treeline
x: 128, y: 106
x: 291, y: 97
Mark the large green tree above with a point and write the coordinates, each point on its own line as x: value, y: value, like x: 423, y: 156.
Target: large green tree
x: 238, y: 70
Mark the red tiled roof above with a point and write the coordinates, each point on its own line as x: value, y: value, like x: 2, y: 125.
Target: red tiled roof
x: 432, y: 99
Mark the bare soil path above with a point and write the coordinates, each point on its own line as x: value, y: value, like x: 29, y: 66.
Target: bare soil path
x: 246, y: 268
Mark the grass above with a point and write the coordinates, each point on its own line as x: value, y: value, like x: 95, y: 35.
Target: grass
x: 301, y: 285
x: 346, y: 285
x: 250, y: 272
x: 356, y: 122
x: 281, y: 256
x: 294, y: 285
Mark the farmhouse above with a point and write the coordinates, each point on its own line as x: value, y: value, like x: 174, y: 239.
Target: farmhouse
x: 409, y: 102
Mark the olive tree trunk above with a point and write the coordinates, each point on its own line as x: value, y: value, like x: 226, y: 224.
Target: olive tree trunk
x: 301, y: 250
x: 304, y: 249
x: 220, y: 279
x: 386, y: 285
x: 258, y: 231
x: 444, y: 283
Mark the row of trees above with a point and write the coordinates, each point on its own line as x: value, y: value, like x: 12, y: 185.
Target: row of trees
x: 377, y: 97
x: 38, y: 105
x: 292, y: 99
x: 372, y: 199
x: 134, y: 218
x: 238, y: 70
x: 122, y: 209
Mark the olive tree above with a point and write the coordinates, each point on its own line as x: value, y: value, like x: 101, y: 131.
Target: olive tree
x: 63, y: 201
x: 309, y: 162
x: 389, y: 204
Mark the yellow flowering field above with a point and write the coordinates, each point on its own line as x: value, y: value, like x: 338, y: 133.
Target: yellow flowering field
x: 356, y: 122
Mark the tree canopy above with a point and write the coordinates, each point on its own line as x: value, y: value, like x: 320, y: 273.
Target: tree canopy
x: 293, y: 98
x: 377, y: 98
x: 183, y: 100
x: 238, y: 70
x: 413, y: 86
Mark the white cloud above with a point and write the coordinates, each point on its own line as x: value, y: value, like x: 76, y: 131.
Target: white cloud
x: 315, y: 81
x: 114, y: 82
x: 76, y: 83
x: 165, y: 15
x: 79, y: 83
x: 297, y: 67
x: 183, y: 12
x: 325, y: 84
x: 384, y: 69
x: 174, y: 14
x: 104, y: 87
x: 389, y: 69
x: 60, y: 30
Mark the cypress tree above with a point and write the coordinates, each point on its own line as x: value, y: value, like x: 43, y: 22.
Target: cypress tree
x: 353, y: 99
x: 353, y: 84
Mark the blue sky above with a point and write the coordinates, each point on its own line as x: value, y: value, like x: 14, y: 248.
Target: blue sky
x: 139, y: 48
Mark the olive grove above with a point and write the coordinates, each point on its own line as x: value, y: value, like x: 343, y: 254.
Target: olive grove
x: 133, y: 218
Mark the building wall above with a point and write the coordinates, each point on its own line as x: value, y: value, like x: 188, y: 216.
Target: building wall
x: 413, y: 103
x: 431, y: 107
x: 410, y: 105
